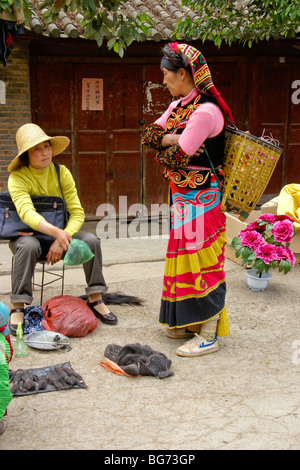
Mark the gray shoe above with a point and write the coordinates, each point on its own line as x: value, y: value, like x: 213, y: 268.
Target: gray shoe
x: 179, y: 333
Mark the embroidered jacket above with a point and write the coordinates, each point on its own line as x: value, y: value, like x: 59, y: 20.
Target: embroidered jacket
x: 197, y: 169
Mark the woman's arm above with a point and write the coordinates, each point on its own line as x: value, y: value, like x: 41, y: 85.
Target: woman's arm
x: 60, y: 244
x: 74, y: 207
x: 205, y: 122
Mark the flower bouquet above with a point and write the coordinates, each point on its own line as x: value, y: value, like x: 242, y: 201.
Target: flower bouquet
x: 264, y: 244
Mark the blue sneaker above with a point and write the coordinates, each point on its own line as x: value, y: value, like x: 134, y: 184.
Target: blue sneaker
x: 198, y: 346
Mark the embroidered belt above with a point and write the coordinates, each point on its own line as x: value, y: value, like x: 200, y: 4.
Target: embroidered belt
x: 191, y: 177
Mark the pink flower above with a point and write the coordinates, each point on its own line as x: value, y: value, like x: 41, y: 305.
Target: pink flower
x: 283, y: 231
x: 270, y: 218
x: 281, y: 252
x: 286, y: 253
x: 253, y: 226
x: 266, y: 252
x: 251, y: 239
x: 281, y: 217
x: 271, y: 250
x: 291, y: 256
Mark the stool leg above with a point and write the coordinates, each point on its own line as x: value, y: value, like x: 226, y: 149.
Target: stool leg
x: 12, y: 271
x: 42, y: 286
x: 63, y: 280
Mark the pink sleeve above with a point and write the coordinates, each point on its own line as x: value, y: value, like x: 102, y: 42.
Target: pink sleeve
x: 164, y: 117
x: 206, y: 121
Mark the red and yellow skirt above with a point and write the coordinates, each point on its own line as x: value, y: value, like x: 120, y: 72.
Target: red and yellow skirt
x: 194, y: 287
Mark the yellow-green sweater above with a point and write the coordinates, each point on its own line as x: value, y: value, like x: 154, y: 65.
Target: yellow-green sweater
x: 27, y: 181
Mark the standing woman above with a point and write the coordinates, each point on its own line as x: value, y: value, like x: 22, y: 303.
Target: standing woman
x: 194, y: 289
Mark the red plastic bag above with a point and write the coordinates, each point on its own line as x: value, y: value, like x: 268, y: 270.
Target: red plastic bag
x: 69, y: 316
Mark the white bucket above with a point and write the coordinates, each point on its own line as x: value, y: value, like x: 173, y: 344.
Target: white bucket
x: 255, y: 282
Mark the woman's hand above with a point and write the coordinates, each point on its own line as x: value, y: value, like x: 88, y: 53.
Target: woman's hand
x: 55, y: 253
x: 199, y: 151
x: 172, y: 139
x: 169, y: 140
x: 63, y: 239
x: 58, y: 247
x: 61, y: 243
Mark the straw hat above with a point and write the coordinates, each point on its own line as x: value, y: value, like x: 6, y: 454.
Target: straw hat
x: 30, y: 135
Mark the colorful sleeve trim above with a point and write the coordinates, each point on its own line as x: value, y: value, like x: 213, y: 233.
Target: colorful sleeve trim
x: 153, y: 136
x: 174, y: 157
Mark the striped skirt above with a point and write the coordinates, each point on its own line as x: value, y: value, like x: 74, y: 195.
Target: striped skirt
x: 194, y: 285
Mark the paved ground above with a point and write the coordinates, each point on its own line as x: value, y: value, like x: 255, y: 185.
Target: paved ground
x: 245, y: 396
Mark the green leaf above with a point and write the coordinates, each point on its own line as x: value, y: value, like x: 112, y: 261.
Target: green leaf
x: 111, y: 43
x: 239, y: 251
x: 285, y: 266
x: 246, y: 253
x: 236, y: 242
x: 258, y: 263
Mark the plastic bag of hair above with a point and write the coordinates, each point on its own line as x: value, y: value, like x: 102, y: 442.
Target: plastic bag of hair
x: 69, y: 316
x: 78, y: 252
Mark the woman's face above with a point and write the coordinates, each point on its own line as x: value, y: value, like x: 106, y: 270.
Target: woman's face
x: 173, y: 81
x: 40, y: 156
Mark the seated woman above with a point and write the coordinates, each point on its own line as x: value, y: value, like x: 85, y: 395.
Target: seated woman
x: 33, y: 173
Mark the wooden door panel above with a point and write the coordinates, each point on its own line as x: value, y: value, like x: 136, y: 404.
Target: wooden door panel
x: 156, y: 99
x: 91, y: 142
x: 293, y: 162
x: 293, y: 170
x: 276, y: 114
x: 269, y: 112
x: 108, y: 139
x: 93, y: 183
x: 229, y: 79
x: 51, y: 108
x: 51, y: 86
x: 124, y: 158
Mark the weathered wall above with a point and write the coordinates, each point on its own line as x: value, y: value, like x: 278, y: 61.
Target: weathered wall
x: 14, y: 104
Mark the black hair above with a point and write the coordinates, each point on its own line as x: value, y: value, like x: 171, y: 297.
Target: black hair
x: 174, y: 60
x: 24, y: 158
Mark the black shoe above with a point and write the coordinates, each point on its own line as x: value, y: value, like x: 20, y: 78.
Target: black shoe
x: 108, y: 318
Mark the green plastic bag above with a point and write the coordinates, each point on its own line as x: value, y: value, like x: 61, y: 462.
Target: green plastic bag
x: 78, y: 252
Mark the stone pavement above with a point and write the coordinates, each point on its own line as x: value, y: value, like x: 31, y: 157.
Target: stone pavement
x: 245, y: 396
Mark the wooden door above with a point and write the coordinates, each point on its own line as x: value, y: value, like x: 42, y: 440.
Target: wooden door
x: 51, y: 104
x: 156, y: 99
x: 229, y: 77
x: 108, y: 140
x: 275, y: 115
x: 292, y: 170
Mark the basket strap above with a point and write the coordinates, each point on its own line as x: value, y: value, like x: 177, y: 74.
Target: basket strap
x: 213, y: 169
x: 233, y: 125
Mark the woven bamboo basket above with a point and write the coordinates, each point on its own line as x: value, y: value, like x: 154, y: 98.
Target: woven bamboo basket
x: 249, y: 162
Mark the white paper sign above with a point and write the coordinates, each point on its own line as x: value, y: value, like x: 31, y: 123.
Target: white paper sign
x: 92, y: 94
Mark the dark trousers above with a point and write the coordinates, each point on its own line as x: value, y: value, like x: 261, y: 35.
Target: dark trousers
x: 27, y: 250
